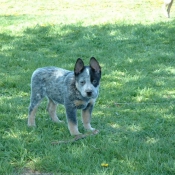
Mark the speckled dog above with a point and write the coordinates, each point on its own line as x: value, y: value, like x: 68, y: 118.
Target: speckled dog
x: 75, y: 90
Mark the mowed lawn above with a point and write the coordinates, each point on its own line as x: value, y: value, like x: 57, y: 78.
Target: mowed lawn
x: 135, y: 112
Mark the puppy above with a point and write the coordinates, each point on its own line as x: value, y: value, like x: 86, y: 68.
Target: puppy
x: 75, y: 90
x: 166, y: 7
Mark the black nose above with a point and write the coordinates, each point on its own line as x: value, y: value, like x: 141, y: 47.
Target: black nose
x: 89, y: 93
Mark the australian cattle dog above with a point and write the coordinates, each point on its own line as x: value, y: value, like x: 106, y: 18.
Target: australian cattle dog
x: 76, y: 89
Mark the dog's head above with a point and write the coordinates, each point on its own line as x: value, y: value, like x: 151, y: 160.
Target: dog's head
x: 87, y: 78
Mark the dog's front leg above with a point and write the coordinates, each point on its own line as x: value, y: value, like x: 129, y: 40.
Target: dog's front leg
x: 86, y: 117
x: 72, y: 120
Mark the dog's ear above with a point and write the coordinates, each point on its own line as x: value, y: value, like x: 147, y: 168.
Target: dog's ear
x: 79, y: 66
x: 95, y: 65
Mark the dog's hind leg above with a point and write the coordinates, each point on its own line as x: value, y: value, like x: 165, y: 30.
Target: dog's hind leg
x: 51, y: 108
x: 31, y: 117
x: 32, y: 109
x: 37, y: 94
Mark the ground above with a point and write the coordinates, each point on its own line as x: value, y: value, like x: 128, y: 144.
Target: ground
x: 134, y: 43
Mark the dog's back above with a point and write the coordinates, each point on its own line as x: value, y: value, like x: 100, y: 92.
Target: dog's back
x: 49, y: 81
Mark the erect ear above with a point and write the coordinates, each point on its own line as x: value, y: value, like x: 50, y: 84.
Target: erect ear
x: 94, y: 64
x: 79, y: 66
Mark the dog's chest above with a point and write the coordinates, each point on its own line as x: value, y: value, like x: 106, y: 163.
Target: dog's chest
x: 80, y: 104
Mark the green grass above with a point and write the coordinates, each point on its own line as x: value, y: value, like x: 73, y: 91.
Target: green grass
x: 135, y: 112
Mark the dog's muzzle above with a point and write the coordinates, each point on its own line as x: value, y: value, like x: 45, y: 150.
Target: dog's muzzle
x: 89, y: 93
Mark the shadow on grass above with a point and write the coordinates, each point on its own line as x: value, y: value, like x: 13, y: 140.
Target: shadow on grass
x: 137, y: 63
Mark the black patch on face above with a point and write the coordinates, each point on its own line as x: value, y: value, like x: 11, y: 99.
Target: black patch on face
x: 95, y: 77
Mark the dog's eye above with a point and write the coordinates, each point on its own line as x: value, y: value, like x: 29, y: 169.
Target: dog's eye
x: 82, y: 82
x: 94, y: 81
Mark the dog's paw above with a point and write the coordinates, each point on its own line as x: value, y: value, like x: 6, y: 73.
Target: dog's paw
x: 31, y: 125
x: 88, y: 127
x: 61, y: 122
x: 93, y: 131
x: 57, y: 120
x: 76, y: 134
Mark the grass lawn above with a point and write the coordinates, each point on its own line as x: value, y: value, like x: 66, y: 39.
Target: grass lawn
x: 135, y: 112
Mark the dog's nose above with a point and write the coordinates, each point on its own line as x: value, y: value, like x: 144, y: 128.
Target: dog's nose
x: 89, y: 93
